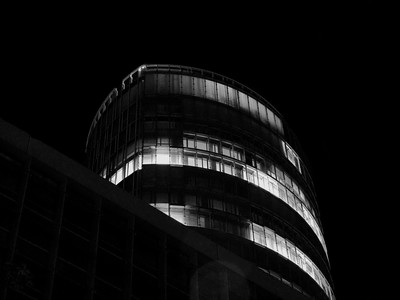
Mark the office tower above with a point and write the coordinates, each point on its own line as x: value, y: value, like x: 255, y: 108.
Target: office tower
x: 217, y: 157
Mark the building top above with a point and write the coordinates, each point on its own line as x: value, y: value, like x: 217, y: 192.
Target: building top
x: 181, y: 70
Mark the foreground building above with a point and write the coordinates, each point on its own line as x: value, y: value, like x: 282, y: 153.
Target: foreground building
x: 213, y: 200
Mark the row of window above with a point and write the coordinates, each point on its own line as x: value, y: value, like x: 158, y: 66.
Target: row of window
x: 291, y: 155
x: 261, y: 235
x: 164, y: 155
x: 227, y: 148
x: 166, y: 84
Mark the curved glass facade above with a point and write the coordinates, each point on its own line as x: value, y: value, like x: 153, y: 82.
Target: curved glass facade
x: 213, y: 154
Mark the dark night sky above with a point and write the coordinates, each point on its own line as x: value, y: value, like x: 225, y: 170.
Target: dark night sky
x: 60, y: 69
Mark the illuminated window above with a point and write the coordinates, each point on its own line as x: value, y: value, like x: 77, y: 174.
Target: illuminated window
x: 243, y: 102
x: 201, y: 144
x: 270, y: 238
x: 222, y: 93
x: 149, y: 156
x: 162, y: 155
x: 202, y: 161
x: 190, y: 158
x: 237, y: 153
x: 176, y: 156
x: 253, y: 107
x: 210, y: 90
x: 215, y: 163
x: 176, y: 212
x: 259, y: 236
x: 186, y: 85
x: 233, y: 97
x: 213, y: 146
x: 239, y: 171
x: 281, y: 246
x: 226, y: 149
x: 263, y: 113
x: 228, y: 167
x: 199, y: 87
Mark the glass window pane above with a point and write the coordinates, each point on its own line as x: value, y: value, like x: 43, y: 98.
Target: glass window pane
x: 281, y: 246
x: 243, y: 102
x: 222, y: 93
x: 199, y: 87
x: 187, y: 85
x: 162, y: 156
x: 259, y: 236
x: 253, y: 107
x: 226, y: 149
x: 271, y: 118
x: 279, y: 124
x: 210, y: 90
x: 215, y: 163
x: 201, y: 144
x: 233, y: 97
x: 270, y: 238
x: 176, y: 156
x: 176, y: 212
x: 263, y: 113
x: 228, y: 167
x: 149, y: 156
x: 213, y: 146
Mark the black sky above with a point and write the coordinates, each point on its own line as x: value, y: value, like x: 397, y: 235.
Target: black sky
x: 59, y: 70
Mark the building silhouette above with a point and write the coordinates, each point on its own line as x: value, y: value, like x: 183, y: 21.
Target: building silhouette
x: 213, y: 200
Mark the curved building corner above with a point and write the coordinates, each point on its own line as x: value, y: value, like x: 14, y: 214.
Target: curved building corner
x: 217, y: 157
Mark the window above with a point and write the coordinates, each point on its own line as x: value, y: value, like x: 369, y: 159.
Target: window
x: 202, y: 161
x: 213, y: 146
x: 233, y: 97
x: 201, y: 144
x: 281, y: 246
x: 243, y: 102
x: 270, y: 238
x: 149, y: 156
x: 210, y: 90
x: 237, y: 153
x: 291, y: 249
x: 190, y: 158
x: 239, y: 171
x: 271, y: 118
x: 222, y: 93
x: 176, y: 212
x: 162, y: 155
x: 259, y: 236
x: 176, y: 156
x: 226, y: 149
x: 186, y: 85
x: 253, y: 107
x: 228, y: 167
x: 215, y: 163
x: 199, y: 87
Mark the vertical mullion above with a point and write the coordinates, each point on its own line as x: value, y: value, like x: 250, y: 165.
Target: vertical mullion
x: 93, y: 249
x: 55, y: 245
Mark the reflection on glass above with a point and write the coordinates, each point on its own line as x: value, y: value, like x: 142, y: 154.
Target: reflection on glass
x: 232, y: 163
x: 260, y: 235
x: 165, y: 84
